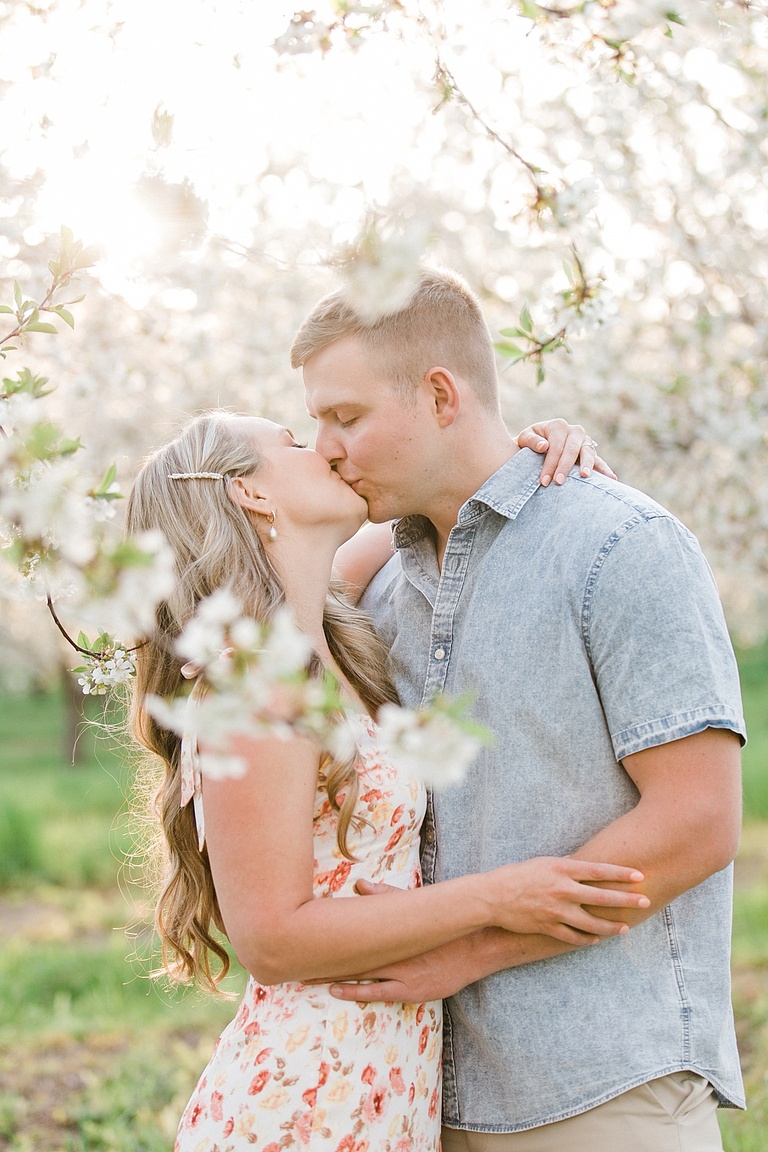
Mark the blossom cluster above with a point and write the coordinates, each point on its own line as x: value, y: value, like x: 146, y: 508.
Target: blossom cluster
x: 437, y: 744
x: 306, y: 33
x: 105, y: 670
x: 523, y: 132
x: 258, y: 684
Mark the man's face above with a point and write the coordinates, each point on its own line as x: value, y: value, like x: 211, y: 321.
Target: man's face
x: 378, y: 441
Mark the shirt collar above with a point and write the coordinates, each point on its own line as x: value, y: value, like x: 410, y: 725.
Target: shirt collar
x: 507, y: 492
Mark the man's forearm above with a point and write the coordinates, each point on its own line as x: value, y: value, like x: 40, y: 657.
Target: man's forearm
x: 483, y: 953
x: 684, y: 828
x: 686, y: 823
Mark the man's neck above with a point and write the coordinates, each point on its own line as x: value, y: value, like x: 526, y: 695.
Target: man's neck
x: 444, y: 509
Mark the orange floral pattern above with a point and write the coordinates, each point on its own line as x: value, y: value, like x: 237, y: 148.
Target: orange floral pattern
x: 297, y: 1070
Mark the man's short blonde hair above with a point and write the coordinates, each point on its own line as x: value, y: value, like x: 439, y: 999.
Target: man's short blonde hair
x: 441, y: 325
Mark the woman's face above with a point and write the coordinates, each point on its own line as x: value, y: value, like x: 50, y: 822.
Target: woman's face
x: 299, y: 483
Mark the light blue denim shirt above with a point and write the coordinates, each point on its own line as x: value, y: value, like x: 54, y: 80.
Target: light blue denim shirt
x: 587, y: 624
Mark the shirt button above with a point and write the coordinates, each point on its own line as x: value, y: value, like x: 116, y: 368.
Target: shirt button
x: 429, y: 836
x: 439, y: 653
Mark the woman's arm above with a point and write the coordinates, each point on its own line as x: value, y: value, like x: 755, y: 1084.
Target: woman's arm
x: 359, y: 559
x: 259, y: 836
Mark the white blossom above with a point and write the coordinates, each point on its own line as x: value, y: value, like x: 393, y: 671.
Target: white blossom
x: 19, y: 413
x: 48, y: 504
x: 575, y: 201
x: 304, y: 34
x: 171, y: 714
x: 431, y: 744
x: 245, y: 633
x: 627, y: 19
x: 204, y: 637
x: 287, y: 650
x: 381, y: 271
x: 217, y: 766
x: 128, y: 610
x: 105, y: 670
x: 103, y: 507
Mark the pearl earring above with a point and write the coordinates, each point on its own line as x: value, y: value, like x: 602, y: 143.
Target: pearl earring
x: 272, y: 534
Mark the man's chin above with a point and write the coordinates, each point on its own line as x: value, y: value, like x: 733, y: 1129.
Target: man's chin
x: 377, y: 516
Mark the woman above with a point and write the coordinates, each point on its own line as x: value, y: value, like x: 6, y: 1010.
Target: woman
x: 244, y: 506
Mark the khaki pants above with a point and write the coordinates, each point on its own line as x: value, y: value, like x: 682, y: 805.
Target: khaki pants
x: 676, y: 1113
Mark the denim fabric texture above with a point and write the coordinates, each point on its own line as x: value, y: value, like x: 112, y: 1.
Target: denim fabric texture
x: 587, y: 625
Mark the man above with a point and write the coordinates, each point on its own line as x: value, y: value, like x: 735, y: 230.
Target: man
x: 619, y: 743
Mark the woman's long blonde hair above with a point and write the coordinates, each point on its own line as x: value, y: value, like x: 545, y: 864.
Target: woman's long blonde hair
x: 215, y: 545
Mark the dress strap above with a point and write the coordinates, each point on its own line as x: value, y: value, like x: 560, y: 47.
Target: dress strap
x: 191, y: 775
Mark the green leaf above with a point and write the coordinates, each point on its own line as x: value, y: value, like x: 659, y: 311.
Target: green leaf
x: 5, y: 308
x: 102, y: 492
x: 45, y: 442
x: 675, y: 18
x: 530, y: 10
x: 17, y: 293
x: 513, y: 332
x: 127, y: 554
x: 540, y: 372
x: 526, y: 323
x: 40, y: 327
x: 67, y: 317
x: 506, y: 348
x: 26, y: 382
x: 84, y: 642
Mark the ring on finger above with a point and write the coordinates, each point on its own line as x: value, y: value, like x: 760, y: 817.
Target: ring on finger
x: 590, y: 443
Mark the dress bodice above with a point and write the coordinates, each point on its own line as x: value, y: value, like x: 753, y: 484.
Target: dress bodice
x: 388, y: 814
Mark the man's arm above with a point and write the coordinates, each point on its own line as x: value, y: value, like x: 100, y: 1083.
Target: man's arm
x: 686, y: 824
x: 684, y: 828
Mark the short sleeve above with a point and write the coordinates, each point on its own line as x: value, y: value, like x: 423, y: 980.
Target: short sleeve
x: 657, y: 638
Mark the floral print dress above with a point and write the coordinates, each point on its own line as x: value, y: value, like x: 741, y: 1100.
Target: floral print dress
x: 299, y: 1070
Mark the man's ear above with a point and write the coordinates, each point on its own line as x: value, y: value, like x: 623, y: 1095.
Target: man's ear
x: 444, y: 395
x: 245, y: 493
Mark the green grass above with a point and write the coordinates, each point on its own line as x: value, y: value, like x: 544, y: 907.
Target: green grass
x: 95, y: 1057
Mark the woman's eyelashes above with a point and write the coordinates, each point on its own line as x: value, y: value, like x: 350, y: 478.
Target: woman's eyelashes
x: 296, y: 444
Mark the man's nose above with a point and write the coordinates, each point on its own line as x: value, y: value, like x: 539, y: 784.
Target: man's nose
x: 328, y: 445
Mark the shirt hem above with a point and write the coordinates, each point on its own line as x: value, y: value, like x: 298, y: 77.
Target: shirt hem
x: 725, y: 1099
